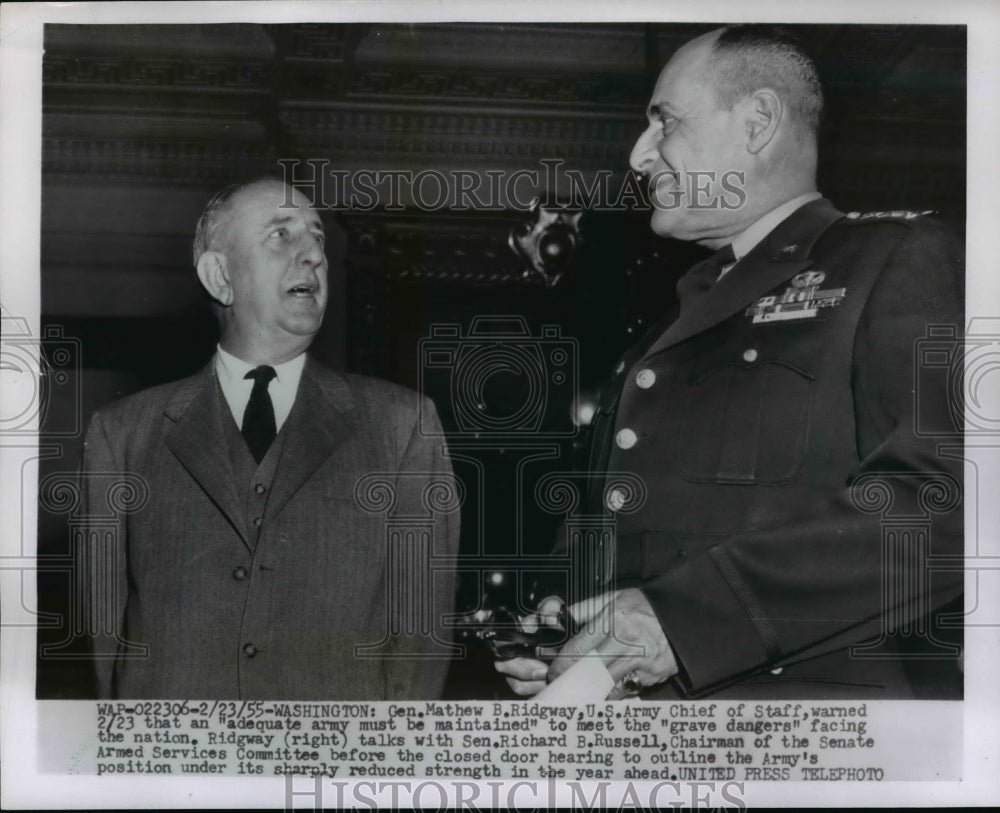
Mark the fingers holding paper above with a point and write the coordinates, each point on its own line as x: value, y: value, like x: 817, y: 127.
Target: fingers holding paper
x: 620, y: 628
x: 527, y: 676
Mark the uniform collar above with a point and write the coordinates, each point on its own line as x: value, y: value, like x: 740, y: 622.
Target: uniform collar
x: 775, y: 259
x: 748, y: 239
x: 792, y: 240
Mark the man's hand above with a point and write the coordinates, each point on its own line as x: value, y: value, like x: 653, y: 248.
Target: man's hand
x: 621, y: 628
x: 527, y: 676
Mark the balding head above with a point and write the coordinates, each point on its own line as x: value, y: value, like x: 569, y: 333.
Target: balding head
x: 747, y: 58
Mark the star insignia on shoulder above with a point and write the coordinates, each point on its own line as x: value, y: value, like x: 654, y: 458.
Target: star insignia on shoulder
x: 903, y: 214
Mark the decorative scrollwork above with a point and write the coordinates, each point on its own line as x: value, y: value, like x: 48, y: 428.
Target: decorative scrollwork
x: 940, y: 494
x: 558, y: 492
x: 376, y: 493
x: 129, y: 492
x: 632, y: 488
x: 122, y: 492
x: 872, y: 493
x: 443, y: 496
x: 60, y: 493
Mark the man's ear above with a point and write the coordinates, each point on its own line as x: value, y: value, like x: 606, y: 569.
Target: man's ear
x: 764, y: 113
x: 214, y: 275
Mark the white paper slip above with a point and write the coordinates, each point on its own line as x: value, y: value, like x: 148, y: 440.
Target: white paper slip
x: 586, y: 681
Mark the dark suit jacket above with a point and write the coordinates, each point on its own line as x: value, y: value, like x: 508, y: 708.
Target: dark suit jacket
x: 792, y: 502
x: 198, y: 603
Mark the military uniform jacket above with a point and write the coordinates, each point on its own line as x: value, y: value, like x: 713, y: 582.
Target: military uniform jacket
x: 772, y: 427
x: 297, y: 583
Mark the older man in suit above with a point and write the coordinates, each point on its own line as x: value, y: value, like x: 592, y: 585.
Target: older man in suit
x: 794, y: 512
x: 289, y: 507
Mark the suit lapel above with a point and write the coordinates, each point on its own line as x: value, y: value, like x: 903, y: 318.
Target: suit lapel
x: 320, y: 421
x: 197, y: 439
x: 778, y: 257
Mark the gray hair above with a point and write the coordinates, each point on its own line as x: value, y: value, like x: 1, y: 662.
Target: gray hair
x: 746, y: 58
x: 210, y: 229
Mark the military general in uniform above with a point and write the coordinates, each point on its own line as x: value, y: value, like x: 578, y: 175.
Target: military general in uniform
x: 259, y: 564
x: 770, y: 416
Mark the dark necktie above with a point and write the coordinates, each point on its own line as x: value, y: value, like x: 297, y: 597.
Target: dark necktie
x: 258, y: 421
x: 703, y: 276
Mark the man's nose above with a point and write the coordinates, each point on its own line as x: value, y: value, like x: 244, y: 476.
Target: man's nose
x: 644, y: 153
x: 310, y: 250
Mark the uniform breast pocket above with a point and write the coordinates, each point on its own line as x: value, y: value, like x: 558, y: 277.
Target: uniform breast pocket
x: 746, y: 424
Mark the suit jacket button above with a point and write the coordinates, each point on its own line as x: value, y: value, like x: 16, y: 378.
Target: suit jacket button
x: 249, y: 650
x: 260, y: 488
x: 258, y: 521
x: 750, y: 355
x: 778, y: 670
x: 626, y: 439
x: 239, y: 573
x: 645, y: 379
x: 615, y: 499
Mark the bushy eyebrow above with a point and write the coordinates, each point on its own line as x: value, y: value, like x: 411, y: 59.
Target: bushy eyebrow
x: 282, y: 220
x: 661, y: 110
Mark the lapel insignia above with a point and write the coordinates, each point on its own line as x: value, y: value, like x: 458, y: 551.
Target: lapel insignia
x: 800, y: 300
x: 808, y: 279
x: 790, y: 249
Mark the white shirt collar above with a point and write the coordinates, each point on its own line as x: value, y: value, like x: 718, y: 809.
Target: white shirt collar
x: 746, y: 240
x: 231, y: 371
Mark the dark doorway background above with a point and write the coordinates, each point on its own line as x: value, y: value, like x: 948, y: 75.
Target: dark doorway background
x: 141, y: 124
